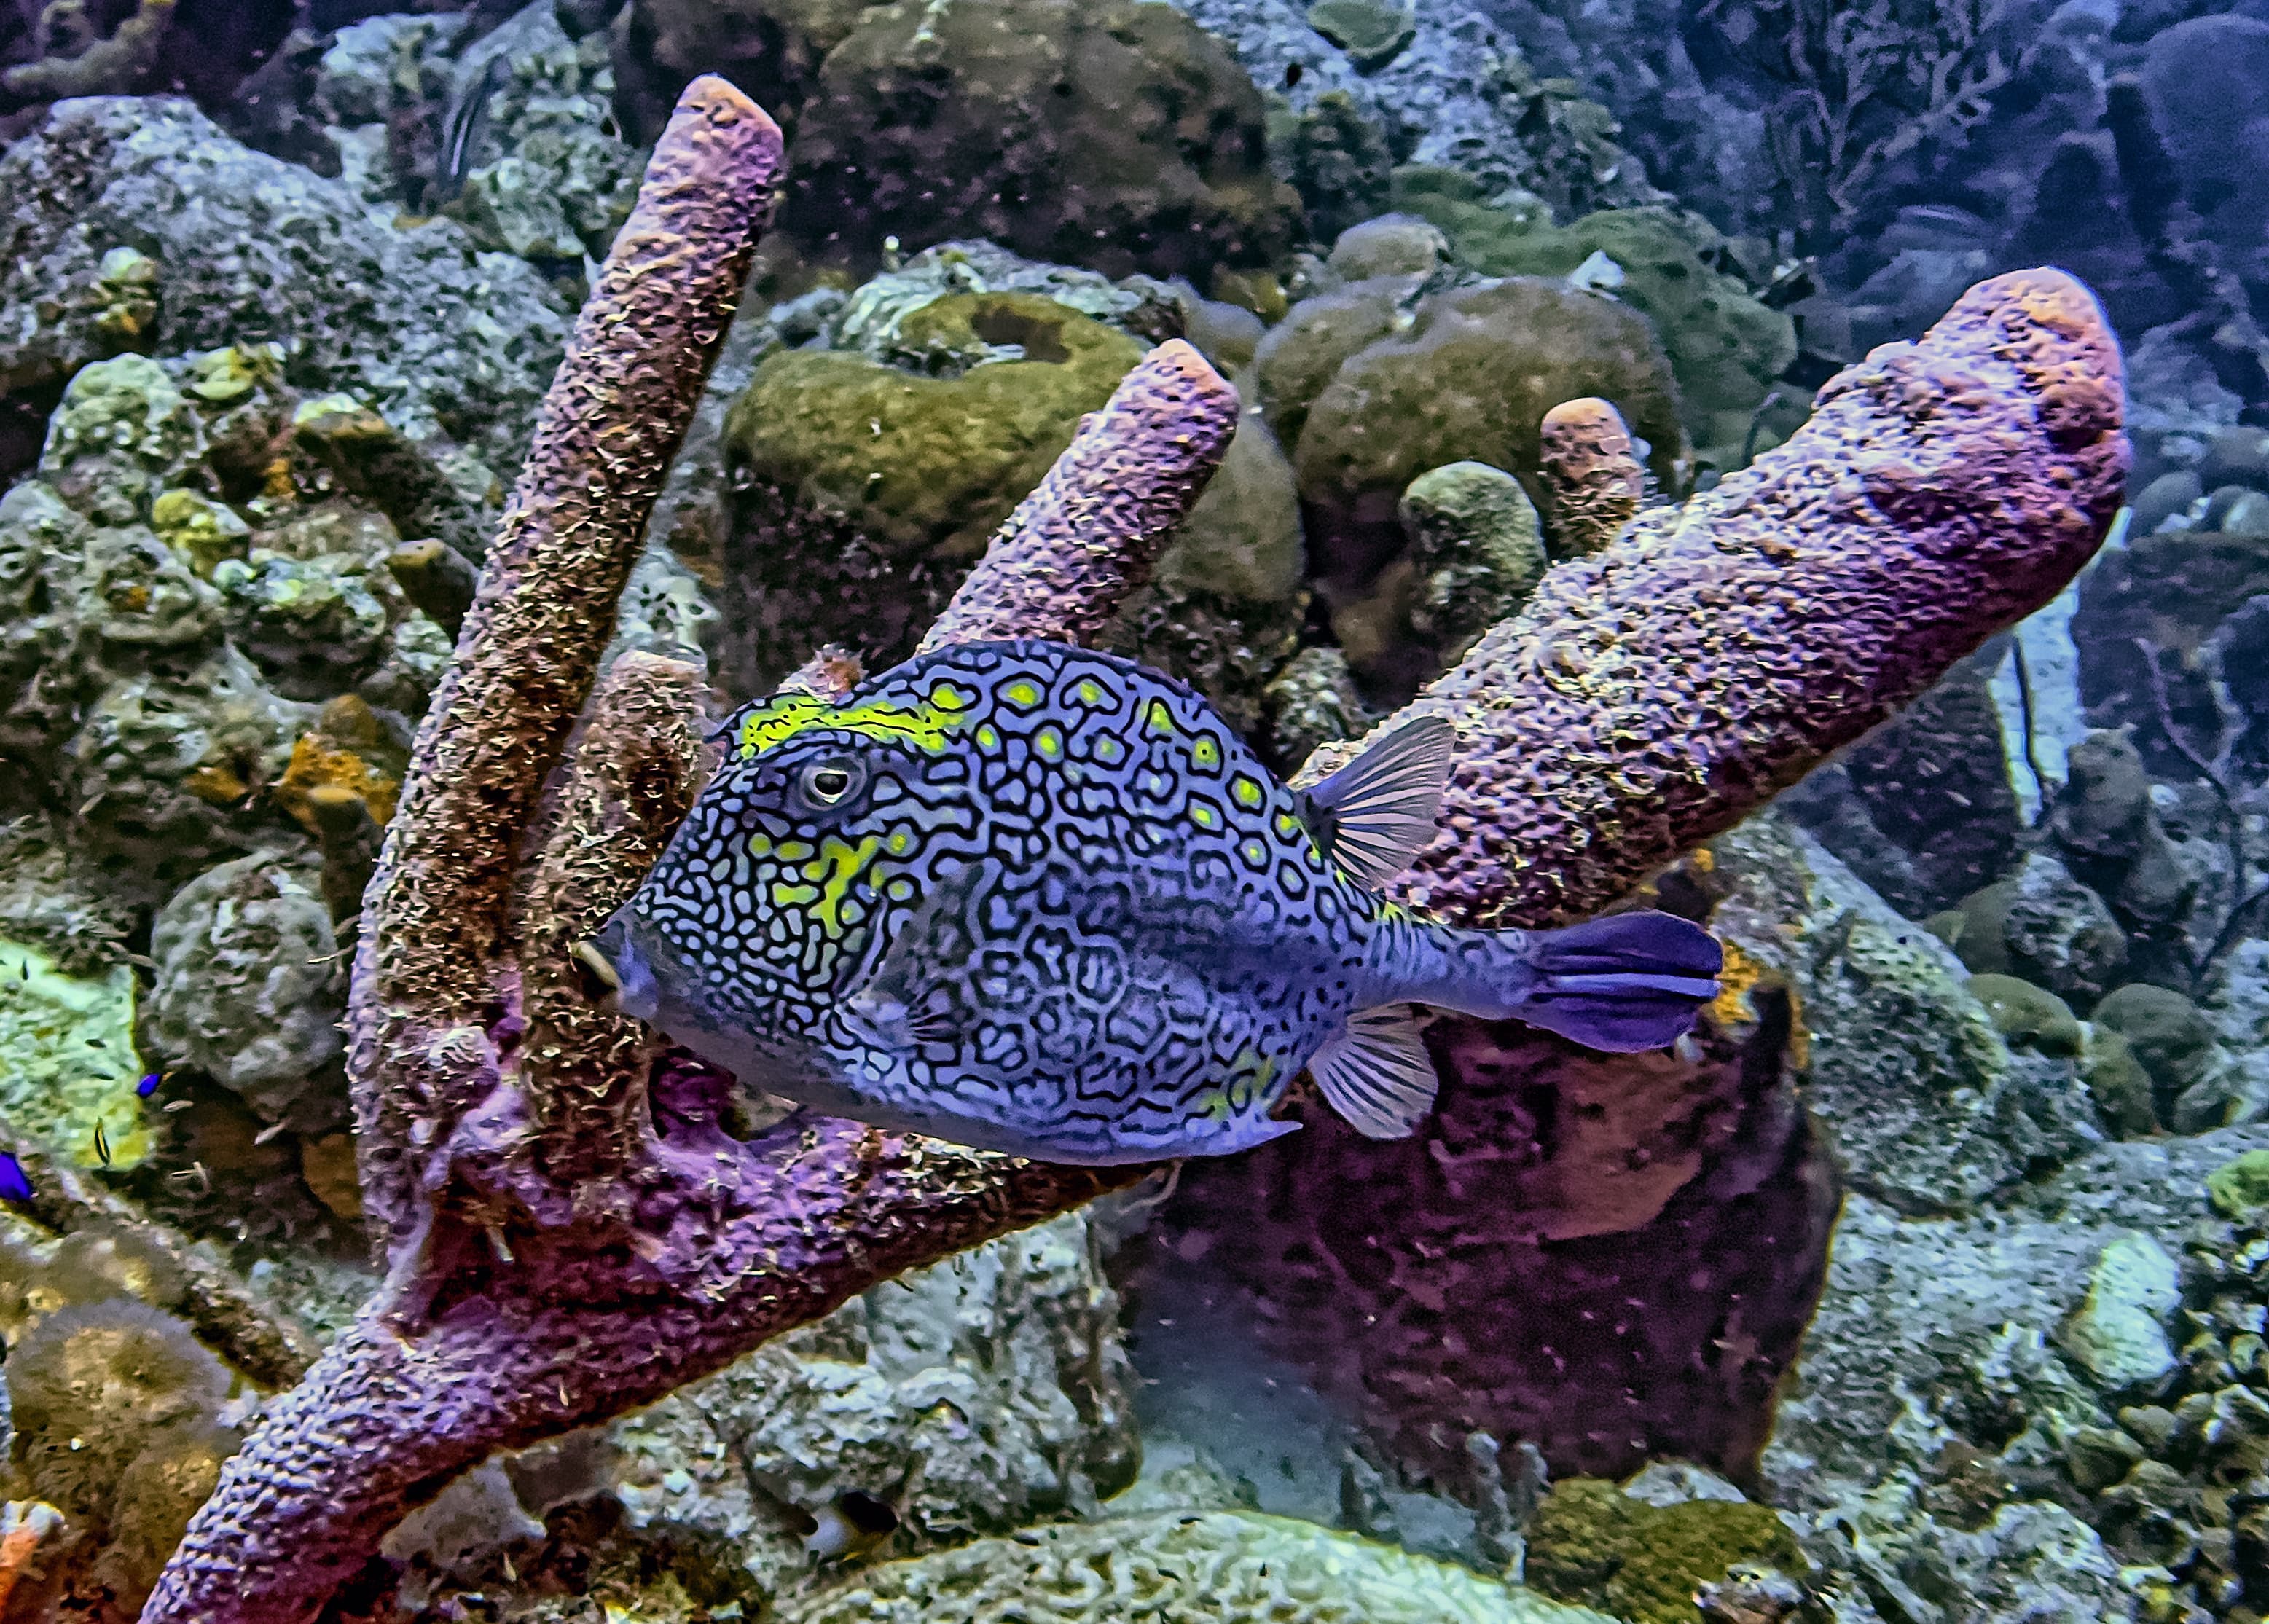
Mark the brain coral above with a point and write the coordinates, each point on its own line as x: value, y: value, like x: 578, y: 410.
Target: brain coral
x: 1115, y: 135
x: 1172, y: 1568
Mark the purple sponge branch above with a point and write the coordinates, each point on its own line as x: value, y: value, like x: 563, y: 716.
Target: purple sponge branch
x: 1655, y: 693
x: 426, y: 994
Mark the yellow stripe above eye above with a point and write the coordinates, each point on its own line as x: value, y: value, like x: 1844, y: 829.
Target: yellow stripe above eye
x: 925, y: 726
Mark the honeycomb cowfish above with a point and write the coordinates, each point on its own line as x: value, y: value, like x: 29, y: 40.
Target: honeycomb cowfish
x: 1036, y: 899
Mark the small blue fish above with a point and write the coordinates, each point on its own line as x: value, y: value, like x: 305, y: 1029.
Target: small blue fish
x: 15, y: 1183
x: 148, y: 1086
x: 1037, y: 899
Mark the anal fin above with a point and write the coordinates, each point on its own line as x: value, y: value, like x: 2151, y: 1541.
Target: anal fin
x: 1377, y: 1074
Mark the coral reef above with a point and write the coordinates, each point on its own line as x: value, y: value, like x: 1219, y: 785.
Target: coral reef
x: 530, y: 1213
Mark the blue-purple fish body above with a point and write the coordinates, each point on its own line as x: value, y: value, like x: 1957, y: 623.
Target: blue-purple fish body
x: 1037, y: 899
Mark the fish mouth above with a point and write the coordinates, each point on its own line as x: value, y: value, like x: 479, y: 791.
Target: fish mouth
x: 588, y: 955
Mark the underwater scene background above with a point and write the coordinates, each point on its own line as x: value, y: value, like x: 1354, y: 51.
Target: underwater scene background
x: 1521, y: 364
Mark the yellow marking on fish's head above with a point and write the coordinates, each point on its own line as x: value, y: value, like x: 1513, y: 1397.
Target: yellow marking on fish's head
x: 1158, y: 719
x: 1090, y: 691
x: 1204, y: 816
x: 925, y: 726
x: 1206, y: 751
x: 836, y: 870
x: 1248, y: 791
x: 1022, y: 694
x: 1049, y: 743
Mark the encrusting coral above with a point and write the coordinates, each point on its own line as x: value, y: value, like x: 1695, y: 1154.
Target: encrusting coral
x: 568, y: 1231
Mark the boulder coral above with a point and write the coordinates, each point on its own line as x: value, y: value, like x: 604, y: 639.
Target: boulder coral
x: 1115, y: 135
x: 569, y: 1232
x: 1468, y: 377
x: 1726, y: 347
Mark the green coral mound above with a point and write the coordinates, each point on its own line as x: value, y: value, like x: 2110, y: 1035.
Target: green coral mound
x: 866, y: 488
x: 2240, y: 1186
x: 1595, y: 1544
x: 2029, y: 1017
x: 67, y: 1059
x: 1118, y: 136
x: 1725, y: 347
x: 1169, y: 1568
x: 1470, y: 379
x: 927, y: 465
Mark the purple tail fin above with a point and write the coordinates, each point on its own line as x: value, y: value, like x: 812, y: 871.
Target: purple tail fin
x: 1626, y: 982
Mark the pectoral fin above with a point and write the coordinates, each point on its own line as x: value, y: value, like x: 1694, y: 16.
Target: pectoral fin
x: 917, y: 995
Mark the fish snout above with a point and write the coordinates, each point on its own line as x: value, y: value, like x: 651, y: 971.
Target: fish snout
x: 614, y: 960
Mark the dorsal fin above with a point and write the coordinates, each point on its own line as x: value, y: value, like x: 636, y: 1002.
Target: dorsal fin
x: 1372, y: 816
x: 1377, y: 1074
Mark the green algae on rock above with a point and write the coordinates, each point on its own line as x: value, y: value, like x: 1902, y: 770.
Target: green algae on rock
x: 1592, y: 1543
x: 2239, y: 1187
x: 1373, y: 33
x: 1178, y: 1568
x: 67, y: 1059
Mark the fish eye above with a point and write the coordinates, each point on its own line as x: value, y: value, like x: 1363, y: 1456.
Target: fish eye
x: 826, y: 783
